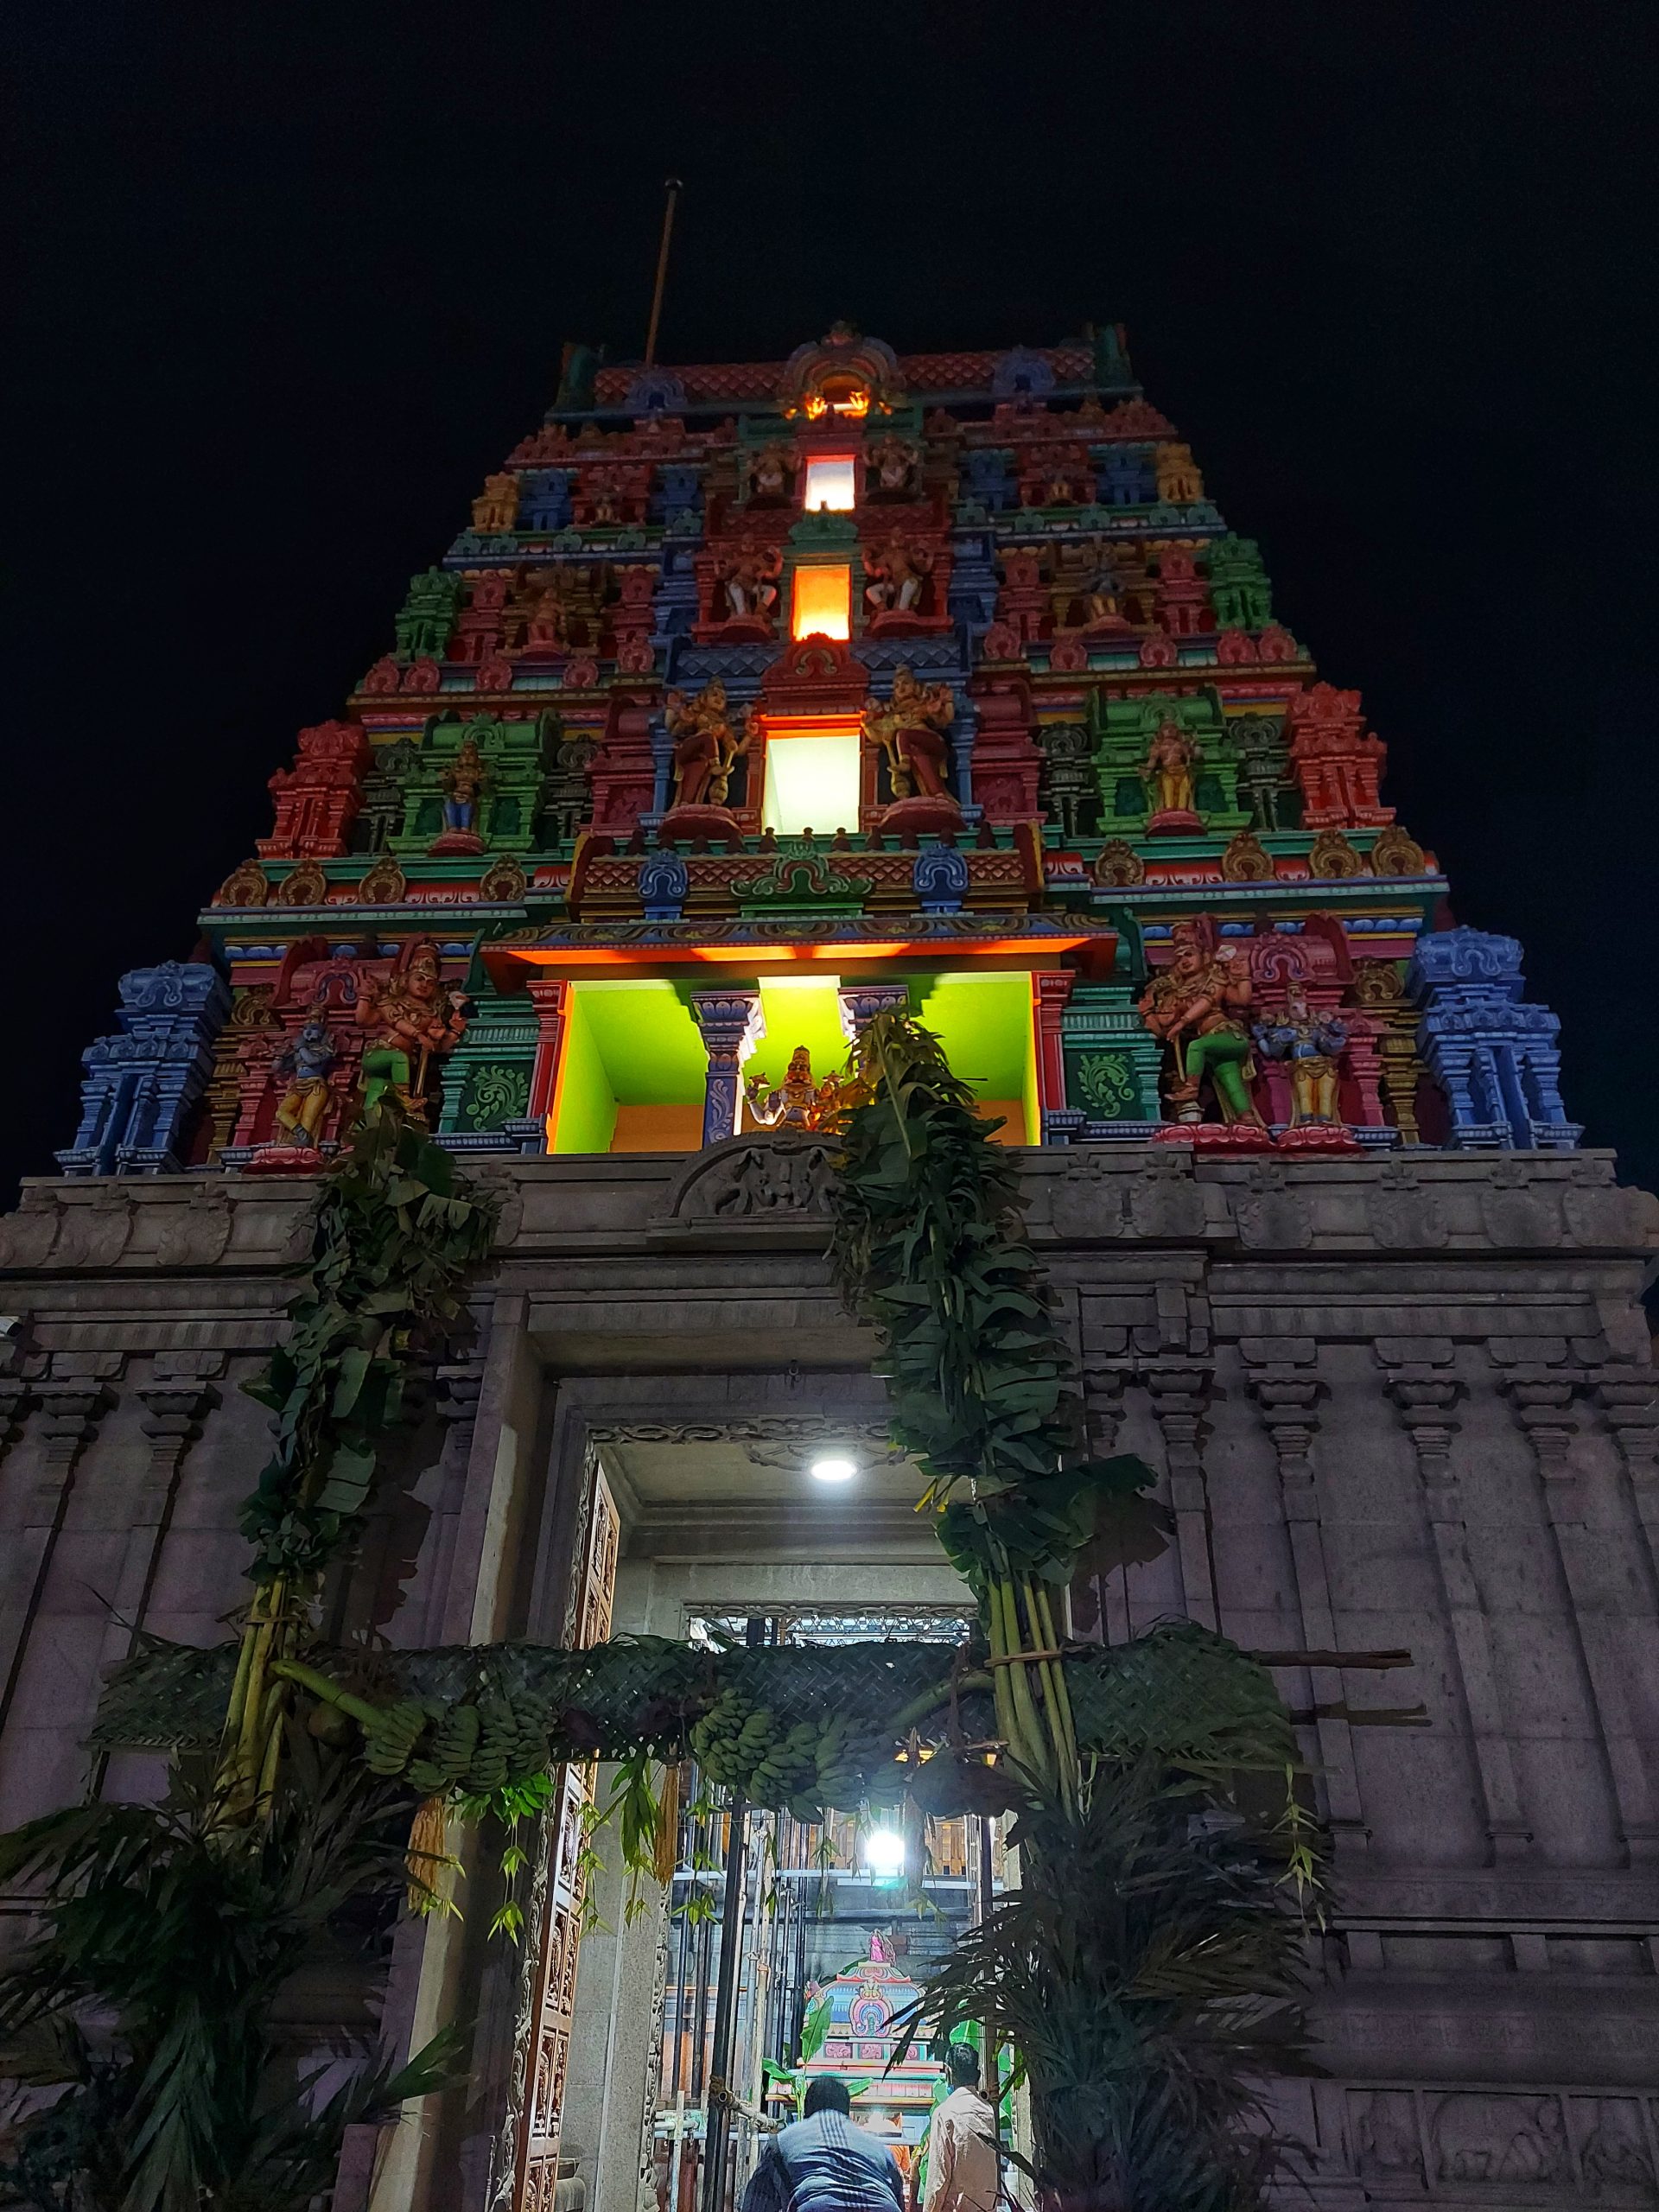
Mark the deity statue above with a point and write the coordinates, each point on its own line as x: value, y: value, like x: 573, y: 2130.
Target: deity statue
x: 1168, y: 770
x: 1199, y: 1008
x: 1311, y: 1044
x: 1098, y: 592
x: 898, y: 577
x: 750, y: 578
x: 771, y: 475
x: 547, y: 630
x: 797, y: 1103
x: 910, y: 730
x: 306, y: 1062
x: 465, y: 781
x: 893, y: 462
x: 708, y: 742
x: 407, y: 1021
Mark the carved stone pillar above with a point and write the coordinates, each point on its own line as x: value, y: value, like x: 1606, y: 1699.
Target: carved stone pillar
x: 1179, y: 1396
x: 177, y: 1399
x: 70, y: 1407
x: 732, y: 1027
x: 1543, y: 1400
x: 1099, y: 1612
x: 1288, y: 1396
x: 1424, y: 1400
x: 1630, y: 1406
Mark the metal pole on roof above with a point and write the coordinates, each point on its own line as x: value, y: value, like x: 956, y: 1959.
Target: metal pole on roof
x: 673, y: 186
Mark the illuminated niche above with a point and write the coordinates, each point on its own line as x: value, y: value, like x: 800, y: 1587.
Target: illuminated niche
x: 821, y: 601
x: 812, y: 774
x: 831, y: 483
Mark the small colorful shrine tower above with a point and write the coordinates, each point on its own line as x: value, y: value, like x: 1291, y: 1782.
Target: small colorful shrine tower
x: 760, y: 697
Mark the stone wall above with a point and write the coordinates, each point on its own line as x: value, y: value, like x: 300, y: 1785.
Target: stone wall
x: 1400, y: 1403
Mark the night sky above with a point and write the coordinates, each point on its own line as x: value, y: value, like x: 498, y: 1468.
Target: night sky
x: 289, y: 281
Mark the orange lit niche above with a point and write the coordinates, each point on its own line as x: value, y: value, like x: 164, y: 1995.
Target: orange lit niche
x: 822, y: 603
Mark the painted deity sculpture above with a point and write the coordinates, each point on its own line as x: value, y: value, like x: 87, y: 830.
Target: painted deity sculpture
x: 897, y: 577
x: 750, y: 579
x: 1311, y: 1044
x: 910, y: 729
x: 496, y: 508
x: 892, y: 463
x: 306, y: 1062
x: 708, y: 742
x: 465, y: 781
x: 797, y: 1103
x: 547, y: 630
x: 410, y: 1021
x: 771, y: 475
x: 1199, y: 1008
x: 1169, y: 766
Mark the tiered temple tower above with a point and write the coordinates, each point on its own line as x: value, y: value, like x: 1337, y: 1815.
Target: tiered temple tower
x: 756, y: 697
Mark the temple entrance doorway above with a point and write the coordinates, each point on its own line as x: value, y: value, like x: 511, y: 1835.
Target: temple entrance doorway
x: 795, y: 1950
x: 782, y: 1949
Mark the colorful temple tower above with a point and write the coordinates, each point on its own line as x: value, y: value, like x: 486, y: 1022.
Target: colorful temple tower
x: 757, y: 697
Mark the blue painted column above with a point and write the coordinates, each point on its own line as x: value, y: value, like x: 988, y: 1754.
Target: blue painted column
x: 732, y: 1025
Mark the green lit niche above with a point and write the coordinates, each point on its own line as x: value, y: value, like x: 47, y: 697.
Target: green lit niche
x: 631, y: 1070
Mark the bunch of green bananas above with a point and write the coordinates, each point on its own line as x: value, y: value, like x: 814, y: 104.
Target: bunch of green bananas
x: 846, y: 1757
x: 730, y: 1740
x: 475, y: 1748
x: 390, y: 1740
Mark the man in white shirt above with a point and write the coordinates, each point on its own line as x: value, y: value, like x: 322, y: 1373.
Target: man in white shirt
x: 962, y: 2161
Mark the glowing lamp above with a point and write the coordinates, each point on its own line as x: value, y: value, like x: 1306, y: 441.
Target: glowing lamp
x: 884, y: 1854
x: 823, y: 601
x: 833, y: 1468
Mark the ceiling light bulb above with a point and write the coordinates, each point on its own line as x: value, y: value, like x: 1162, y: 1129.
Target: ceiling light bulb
x: 833, y: 1468
x: 884, y: 1853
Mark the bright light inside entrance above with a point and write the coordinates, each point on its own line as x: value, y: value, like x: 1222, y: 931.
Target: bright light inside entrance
x: 832, y: 482
x: 884, y: 1854
x: 833, y: 1468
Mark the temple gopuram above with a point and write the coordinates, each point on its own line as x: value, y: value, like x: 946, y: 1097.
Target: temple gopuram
x: 756, y: 698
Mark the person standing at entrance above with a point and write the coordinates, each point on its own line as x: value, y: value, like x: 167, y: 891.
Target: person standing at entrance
x: 962, y: 2161
x: 824, y: 2163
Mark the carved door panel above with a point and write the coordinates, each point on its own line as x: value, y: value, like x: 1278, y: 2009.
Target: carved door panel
x: 556, y: 1906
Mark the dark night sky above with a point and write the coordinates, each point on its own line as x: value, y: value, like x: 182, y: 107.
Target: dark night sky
x: 289, y: 281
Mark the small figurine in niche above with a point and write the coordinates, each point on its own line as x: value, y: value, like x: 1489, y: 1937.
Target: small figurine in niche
x: 306, y: 1062
x: 1199, y: 1008
x: 1311, y: 1044
x: 465, y: 781
x: 910, y: 730
x: 708, y: 742
x: 408, y: 1020
x: 797, y: 1103
x: 750, y: 578
x: 892, y: 463
x: 1168, y: 770
x: 897, y: 577
x: 549, y: 628
x: 771, y: 476
x: 1097, y: 593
